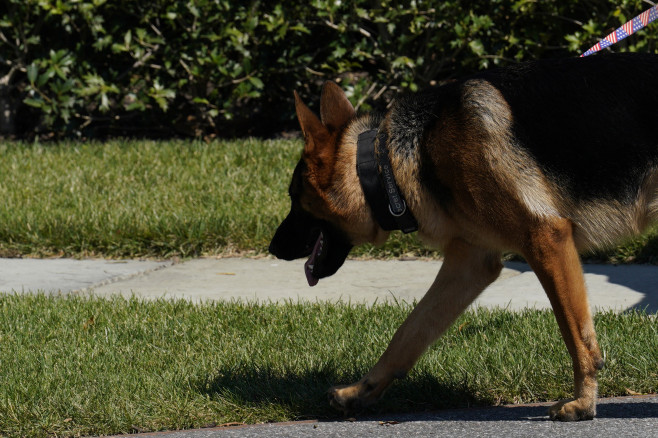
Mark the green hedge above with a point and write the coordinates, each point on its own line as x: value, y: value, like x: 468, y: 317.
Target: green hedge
x: 93, y: 68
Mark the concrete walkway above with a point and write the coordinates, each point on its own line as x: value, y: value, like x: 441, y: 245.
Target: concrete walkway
x: 610, y: 287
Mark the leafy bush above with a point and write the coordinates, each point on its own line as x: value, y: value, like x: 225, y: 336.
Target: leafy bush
x: 94, y: 68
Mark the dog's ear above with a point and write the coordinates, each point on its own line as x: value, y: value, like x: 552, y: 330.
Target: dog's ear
x: 315, y: 133
x: 335, y: 109
x: 319, y: 148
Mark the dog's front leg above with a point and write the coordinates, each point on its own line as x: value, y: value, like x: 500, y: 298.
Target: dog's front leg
x: 465, y: 272
x: 552, y: 255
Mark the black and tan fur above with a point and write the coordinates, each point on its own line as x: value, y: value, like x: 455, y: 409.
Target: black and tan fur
x: 544, y: 159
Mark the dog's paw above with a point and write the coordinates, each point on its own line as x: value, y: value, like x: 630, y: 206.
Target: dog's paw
x: 573, y: 410
x: 350, y: 399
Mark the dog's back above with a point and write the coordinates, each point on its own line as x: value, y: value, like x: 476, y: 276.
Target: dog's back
x: 573, y: 138
x: 593, y: 137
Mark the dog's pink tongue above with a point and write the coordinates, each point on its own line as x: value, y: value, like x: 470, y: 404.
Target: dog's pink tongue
x: 310, y: 263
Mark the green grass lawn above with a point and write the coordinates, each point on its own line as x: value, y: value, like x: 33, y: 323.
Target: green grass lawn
x: 148, y: 199
x: 89, y: 366
x: 167, y: 198
x: 141, y: 198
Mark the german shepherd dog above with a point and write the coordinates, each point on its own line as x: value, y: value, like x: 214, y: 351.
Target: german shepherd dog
x: 544, y: 159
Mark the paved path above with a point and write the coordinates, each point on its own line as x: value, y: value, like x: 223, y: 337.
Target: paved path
x: 66, y: 275
x: 617, y: 417
x: 610, y: 287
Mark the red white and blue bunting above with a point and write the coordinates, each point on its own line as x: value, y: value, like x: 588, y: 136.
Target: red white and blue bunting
x: 625, y: 30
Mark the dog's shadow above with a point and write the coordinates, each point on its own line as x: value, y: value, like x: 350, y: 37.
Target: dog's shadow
x: 304, y: 394
x: 638, y: 408
x: 422, y: 399
x: 620, y: 408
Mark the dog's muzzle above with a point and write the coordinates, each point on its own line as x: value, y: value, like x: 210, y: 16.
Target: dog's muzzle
x: 301, y: 235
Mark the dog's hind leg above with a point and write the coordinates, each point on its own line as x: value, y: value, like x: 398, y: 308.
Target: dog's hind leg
x: 552, y: 254
x: 465, y: 272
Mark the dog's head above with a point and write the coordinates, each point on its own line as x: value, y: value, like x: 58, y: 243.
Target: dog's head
x: 328, y: 213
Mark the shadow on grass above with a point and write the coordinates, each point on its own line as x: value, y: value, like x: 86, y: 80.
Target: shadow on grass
x: 304, y: 395
x: 419, y: 398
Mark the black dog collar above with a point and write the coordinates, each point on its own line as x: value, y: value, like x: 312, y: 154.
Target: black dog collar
x: 380, y: 189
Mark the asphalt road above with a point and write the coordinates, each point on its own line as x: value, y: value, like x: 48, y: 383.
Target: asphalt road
x: 620, y: 417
